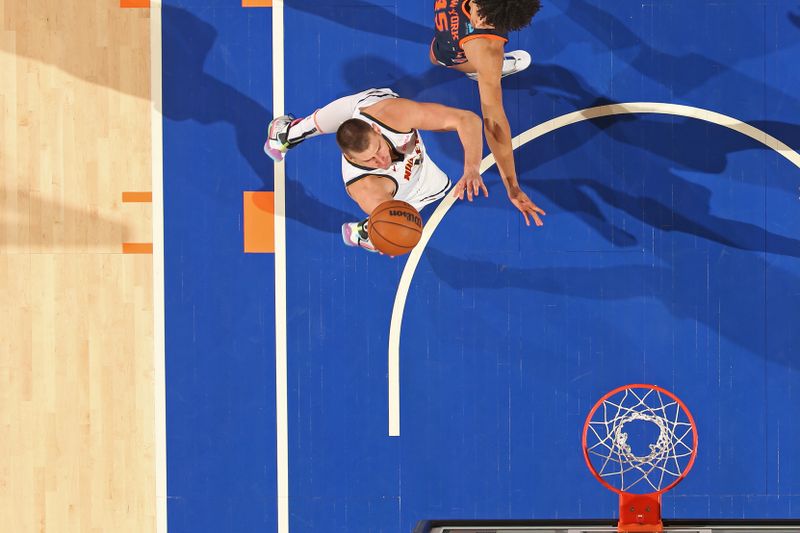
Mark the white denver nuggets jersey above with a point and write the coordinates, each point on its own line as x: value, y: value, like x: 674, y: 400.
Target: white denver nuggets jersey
x: 411, y: 183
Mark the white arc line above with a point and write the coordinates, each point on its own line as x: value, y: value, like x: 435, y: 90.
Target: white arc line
x: 544, y: 128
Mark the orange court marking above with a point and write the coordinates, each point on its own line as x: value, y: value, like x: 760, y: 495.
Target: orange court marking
x: 256, y: 3
x: 137, y: 247
x: 132, y: 196
x: 134, y: 3
x: 259, y: 222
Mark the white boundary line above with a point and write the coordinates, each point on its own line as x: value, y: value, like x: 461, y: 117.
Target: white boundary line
x: 529, y: 135
x: 281, y: 403
x: 159, y: 349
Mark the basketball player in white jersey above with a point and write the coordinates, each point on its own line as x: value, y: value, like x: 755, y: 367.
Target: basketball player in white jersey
x: 383, y: 156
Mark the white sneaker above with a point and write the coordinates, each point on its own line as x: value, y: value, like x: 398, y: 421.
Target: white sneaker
x: 513, y: 62
x: 355, y: 234
x: 278, y: 136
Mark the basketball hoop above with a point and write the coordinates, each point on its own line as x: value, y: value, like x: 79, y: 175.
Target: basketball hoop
x: 647, y: 458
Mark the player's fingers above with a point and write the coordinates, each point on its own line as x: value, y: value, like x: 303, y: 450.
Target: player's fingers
x: 469, y: 194
x: 539, y: 210
x: 532, y: 210
x: 485, y: 190
x: 527, y: 222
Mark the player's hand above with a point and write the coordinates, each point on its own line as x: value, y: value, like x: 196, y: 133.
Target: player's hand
x: 526, y: 206
x: 470, y: 183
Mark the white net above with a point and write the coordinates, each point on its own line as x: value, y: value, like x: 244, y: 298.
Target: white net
x: 641, y: 420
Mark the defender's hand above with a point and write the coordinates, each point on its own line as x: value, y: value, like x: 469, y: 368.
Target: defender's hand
x: 526, y: 206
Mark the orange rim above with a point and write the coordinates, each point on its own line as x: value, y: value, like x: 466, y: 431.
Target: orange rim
x: 617, y: 391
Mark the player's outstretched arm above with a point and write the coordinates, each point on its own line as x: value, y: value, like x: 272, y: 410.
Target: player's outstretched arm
x: 486, y: 55
x: 407, y: 114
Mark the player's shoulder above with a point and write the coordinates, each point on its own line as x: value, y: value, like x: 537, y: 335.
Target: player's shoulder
x: 390, y: 113
x: 483, y: 46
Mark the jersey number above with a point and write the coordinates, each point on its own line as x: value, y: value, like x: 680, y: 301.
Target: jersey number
x: 441, y: 21
x: 440, y: 18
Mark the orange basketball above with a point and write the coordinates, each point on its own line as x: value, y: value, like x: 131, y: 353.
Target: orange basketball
x: 395, y: 227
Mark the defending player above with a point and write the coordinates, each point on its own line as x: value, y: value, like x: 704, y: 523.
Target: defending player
x: 470, y: 37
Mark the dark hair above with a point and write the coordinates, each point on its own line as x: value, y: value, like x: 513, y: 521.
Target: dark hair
x: 507, y: 15
x: 353, y: 135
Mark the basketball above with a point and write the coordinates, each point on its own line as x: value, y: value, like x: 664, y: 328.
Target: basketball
x: 395, y: 227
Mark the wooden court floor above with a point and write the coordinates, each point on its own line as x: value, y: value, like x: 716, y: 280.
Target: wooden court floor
x: 78, y: 443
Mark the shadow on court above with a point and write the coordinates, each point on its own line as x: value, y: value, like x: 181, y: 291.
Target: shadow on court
x: 674, y: 285
x: 198, y: 96
x: 378, y: 20
x: 637, y: 162
x: 374, y: 71
x: 794, y: 18
x: 658, y: 196
x: 682, y: 73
